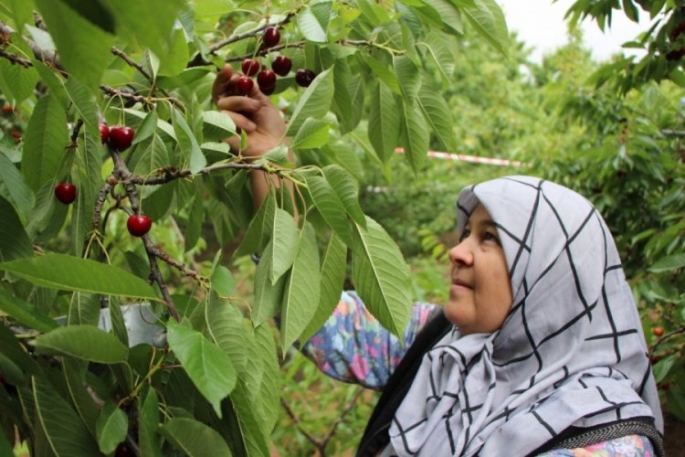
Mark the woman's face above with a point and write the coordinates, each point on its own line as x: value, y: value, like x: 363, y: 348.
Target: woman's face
x: 480, y: 292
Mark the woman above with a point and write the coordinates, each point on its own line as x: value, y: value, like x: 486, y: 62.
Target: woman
x: 540, y: 345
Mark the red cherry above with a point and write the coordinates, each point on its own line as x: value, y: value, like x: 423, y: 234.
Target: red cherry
x: 304, y: 77
x: 112, y: 181
x: 282, y: 65
x: 266, y: 78
x: 271, y: 37
x: 138, y: 224
x: 65, y: 192
x: 104, y: 132
x: 121, y: 137
x: 250, y: 67
x: 244, y: 85
x: 658, y: 331
x: 268, y: 90
x: 7, y: 109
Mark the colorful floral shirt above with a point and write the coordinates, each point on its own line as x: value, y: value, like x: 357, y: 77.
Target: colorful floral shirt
x: 353, y: 347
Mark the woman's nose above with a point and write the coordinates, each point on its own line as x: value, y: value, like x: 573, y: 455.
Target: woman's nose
x: 461, y: 254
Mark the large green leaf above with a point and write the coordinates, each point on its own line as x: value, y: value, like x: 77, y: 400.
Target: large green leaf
x: 44, y: 142
x: 25, y: 313
x: 329, y: 205
x: 312, y: 134
x: 415, y: 138
x: 176, y: 58
x: 74, y: 372
x: 16, y: 82
x: 347, y: 190
x: 194, y: 438
x: 384, y: 122
x: 381, y: 276
x: 314, y: 102
x: 190, y: 148
x: 488, y: 20
x: 84, y: 48
x: 10, y: 348
x: 59, y: 271
x: 438, y: 115
x: 270, y: 389
x: 259, y: 229
x: 283, y: 246
x: 148, y: 23
x: 217, y: 126
x: 668, y: 263
x: 210, y: 369
x: 148, y: 422
x: 267, y: 294
x: 14, y: 242
x: 84, y: 309
x: 111, y: 427
x: 66, y: 434
x: 13, y: 187
x: 408, y: 75
x: 449, y: 15
x: 225, y: 326
x: 332, y: 278
x: 85, y: 342
x: 88, y: 180
x: 310, y: 27
x: 302, y: 289
x: 383, y: 72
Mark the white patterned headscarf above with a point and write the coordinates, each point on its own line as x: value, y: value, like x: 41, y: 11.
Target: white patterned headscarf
x: 571, y: 352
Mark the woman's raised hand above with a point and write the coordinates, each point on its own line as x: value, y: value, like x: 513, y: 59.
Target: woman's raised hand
x: 253, y: 113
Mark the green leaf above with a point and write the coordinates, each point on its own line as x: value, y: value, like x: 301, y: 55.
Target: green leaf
x: 386, y: 75
x: 16, y: 82
x: 270, y: 389
x: 217, y: 126
x: 148, y: 421
x: 347, y: 191
x: 438, y: 115
x: 314, y: 102
x: 310, y: 27
x: 668, y: 263
x: 414, y: 135
x: 329, y: 205
x: 87, y: 177
x: 111, y: 427
x: 193, y: 229
x: 384, y: 122
x: 64, y: 431
x: 381, y: 276
x: 44, y: 142
x: 488, y: 20
x: 23, y: 12
x: 258, y: 231
x: 74, y: 372
x: 84, y: 342
x: 408, y: 75
x: 206, y: 364
x: 312, y: 134
x: 190, y: 148
x: 154, y: 155
x: 134, y: 19
x: 25, y: 314
x: 14, y: 242
x: 267, y: 294
x: 194, y: 438
x: 10, y: 348
x: 283, y: 246
x: 84, y: 309
x: 84, y: 48
x: 448, y: 14
x: 302, y: 289
x: 225, y: 326
x: 177, y: 55
x: 222, y: 281
x: 59, y: 271
x: 13, y: 187
x: 332, y: 278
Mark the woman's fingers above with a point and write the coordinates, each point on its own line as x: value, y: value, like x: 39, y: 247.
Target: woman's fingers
x: 241, y: 121
x: 238, y: 103
x: 222, y: 82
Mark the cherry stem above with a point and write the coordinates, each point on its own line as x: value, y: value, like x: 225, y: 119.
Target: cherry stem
x: 251, y: 33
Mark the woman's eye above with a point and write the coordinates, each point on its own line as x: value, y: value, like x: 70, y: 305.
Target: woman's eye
x: 491, y: 237
x: 465, y: 234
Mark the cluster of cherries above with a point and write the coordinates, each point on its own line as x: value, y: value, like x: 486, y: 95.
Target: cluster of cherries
x: 266, y: 79
x: 118, y: 138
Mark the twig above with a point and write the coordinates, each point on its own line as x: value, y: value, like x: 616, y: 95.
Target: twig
x: 296, y: 420
x: 155, y: 275
x: 75, y: 132
x: 342, y: 415
x: 170, y: 174
x: 122, y: 55
x: 265, y: 51
x: 232, y: 39
x: 665, y: 337
x: 99, y: 203
x: 26, y: 63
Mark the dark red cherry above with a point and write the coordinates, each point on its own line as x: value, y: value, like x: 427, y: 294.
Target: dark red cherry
x: 281, y: 65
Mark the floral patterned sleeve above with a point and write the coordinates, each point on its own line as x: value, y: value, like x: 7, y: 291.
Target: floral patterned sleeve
x: 352, y: 346
x: 627, y: 446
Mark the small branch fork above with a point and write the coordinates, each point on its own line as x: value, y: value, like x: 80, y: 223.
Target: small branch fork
x: 321, y: 444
